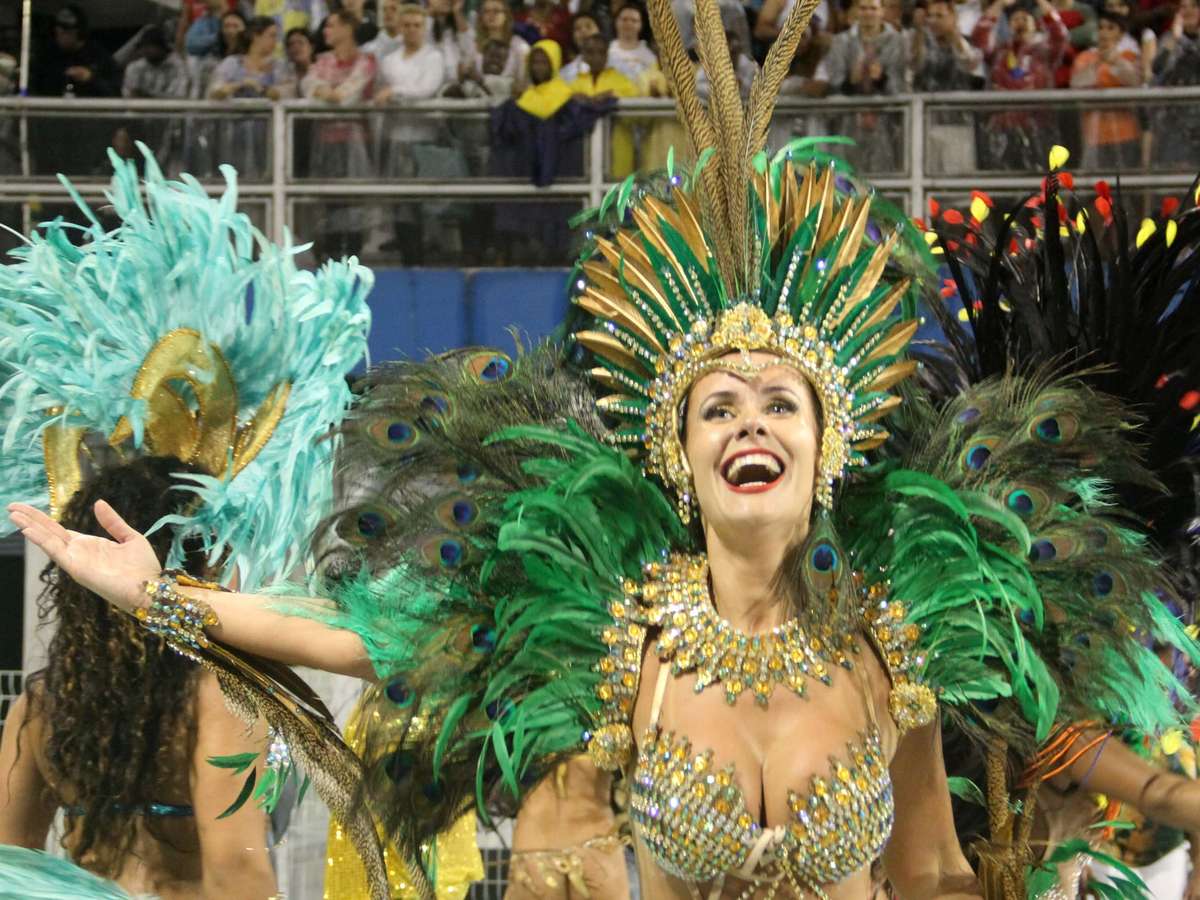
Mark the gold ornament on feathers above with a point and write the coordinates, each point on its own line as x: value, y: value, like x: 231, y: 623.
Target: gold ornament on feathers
x: 203, y: 430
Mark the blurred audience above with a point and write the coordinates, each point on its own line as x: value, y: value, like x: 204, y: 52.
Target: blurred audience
x: 600, y: 86
x: 494, y: 22
x: 1026, y: 61
x: 73, y: 64
x: 298, y: 49
x: 156, y: 72
x: 628, y: 53
x: 1111, y: 138
x: 545, y: 20
x: 583, y: 26
x: 342, y: 76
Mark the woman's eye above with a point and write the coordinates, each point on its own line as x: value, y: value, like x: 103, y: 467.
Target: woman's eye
x: 717, y: 412
x: 781, y: 407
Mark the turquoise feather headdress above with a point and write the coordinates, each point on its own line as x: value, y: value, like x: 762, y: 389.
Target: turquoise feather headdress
x: 183, y: 332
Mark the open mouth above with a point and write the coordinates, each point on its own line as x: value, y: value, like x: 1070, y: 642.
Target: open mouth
x: 752, y: 471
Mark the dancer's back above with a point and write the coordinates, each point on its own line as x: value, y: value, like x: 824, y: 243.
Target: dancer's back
x: 180, y: 850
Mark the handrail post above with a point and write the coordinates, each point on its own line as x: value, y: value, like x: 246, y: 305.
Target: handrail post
x: 916, y: 154
x: 280, y: 155
x: 597, y: 142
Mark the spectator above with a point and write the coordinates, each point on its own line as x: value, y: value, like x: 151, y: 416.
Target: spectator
x: 415, y: 71
x: 546, y: 20
x: 628, y: 53
x: 583, y: 26
x: 943, y: 60
x: 1178, y: 63
x: 389, y: 37
x: 74, y: 65
x: 968, y: 12
x: 292, y: 14
x: 230, y: 28
x: 869, y: 57
x: 342, y: 76
x: 157, y: 72
x: 449, y: 32
x: 774, y: 13
x: 1111, y: 138
x: 1027, y: 61
x: 203, y: 37
x: 367, y: 27
x: 733, y: 18
x: 256, y: 73
x: 495, y: 23
x: 893, y: 14
x: 298, y: 48
x: 1145, y: 43
x: 601, y: 85
x: 192, y: 10
x: 487, y: 81
x: 299, y: 51
x: 547, y: 92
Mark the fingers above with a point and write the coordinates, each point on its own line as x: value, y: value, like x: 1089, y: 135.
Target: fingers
x: 121, y: 531
x: 51, y: 543
x: 33, y: 516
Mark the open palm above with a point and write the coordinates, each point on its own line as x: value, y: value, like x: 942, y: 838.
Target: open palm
x: 114, y: 569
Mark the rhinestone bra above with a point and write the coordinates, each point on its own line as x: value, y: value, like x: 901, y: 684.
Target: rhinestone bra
x: 693, y: 819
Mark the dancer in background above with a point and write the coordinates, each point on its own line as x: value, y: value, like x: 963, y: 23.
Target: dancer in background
x: 136, y: 370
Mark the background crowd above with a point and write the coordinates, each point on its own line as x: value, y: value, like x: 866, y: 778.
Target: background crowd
x: 359, y: 62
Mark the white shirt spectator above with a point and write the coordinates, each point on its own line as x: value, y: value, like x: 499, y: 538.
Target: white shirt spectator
x: 382, y: 45
x: 631, y: 63
x: 416, y: 76
x: 574, y: 69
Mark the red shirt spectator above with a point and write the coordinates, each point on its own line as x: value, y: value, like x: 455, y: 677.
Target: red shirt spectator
x: 550, y: 19
x: 1030, y: 58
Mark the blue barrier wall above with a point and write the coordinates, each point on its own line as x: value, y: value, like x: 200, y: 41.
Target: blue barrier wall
x: 420, y: 311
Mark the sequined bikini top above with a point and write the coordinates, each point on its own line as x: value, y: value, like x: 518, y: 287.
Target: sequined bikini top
x: 693, y: 819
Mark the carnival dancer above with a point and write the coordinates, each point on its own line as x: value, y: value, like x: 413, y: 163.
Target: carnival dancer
x: 754, y: 624
x: 181, y: 368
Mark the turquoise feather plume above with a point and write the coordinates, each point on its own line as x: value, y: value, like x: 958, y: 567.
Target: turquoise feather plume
x: 77, y: 321
x: 34, y: 875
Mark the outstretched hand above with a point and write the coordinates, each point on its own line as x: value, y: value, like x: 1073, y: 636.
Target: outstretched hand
x: 114, y: 569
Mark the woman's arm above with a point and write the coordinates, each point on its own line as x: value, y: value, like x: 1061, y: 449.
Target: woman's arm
x: 117, y: 569
x: 923, y: 858
x: 233, y: 850
x: 26, y: 809
x: 1114, y: 770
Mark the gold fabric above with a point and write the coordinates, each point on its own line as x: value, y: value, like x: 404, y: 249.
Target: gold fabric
x: 458, y: 857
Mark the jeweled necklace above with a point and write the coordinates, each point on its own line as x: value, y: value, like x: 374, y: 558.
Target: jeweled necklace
x: 695, y: 637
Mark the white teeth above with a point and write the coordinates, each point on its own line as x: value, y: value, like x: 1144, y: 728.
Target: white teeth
x: 766, y: 460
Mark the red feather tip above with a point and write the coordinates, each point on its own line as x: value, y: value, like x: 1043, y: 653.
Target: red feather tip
x: 1103, y: 190
x: 1104, y: 206
x: 980, y: 195
x: 1170, y: 205
x: 1067, y: 180
x: 1190, y: 400
x: 934, y: 208
x: 952, y: 217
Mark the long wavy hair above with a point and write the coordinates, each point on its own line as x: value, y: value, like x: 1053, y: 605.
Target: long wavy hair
x: 112, y: 695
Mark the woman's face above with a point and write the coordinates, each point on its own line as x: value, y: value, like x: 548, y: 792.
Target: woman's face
x: 752, y: 444
x: 438, y: 7
x: 494, y: 14
x: 628, y: 24
x: 231, y: 29
x: 265, y: 41
x: 299, y: 49
x: 582, y: 29
x: 540, y: 69
x: 1189, y: 12
x: 1107, y: 35
x: 337, y: 32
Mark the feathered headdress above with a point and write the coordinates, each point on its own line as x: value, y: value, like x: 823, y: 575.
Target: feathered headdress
x: 760, y: 256
x: 182, y: 332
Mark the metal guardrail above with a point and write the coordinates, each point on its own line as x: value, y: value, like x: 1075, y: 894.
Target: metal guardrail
x: 279, y: 188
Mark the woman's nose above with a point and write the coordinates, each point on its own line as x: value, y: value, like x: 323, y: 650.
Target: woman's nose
x: 752, y: 425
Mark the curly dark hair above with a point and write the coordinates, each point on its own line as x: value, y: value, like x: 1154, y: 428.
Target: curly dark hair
x: 113, y: 695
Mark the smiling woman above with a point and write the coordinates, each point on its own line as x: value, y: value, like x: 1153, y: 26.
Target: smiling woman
x: 728, y: 605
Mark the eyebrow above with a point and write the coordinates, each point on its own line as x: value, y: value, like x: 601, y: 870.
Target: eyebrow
x: 726, y: 396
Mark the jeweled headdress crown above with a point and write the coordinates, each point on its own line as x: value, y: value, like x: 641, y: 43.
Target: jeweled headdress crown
x: 757, y: 256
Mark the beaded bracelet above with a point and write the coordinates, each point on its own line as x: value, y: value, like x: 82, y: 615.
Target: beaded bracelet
x: 179, y: 619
